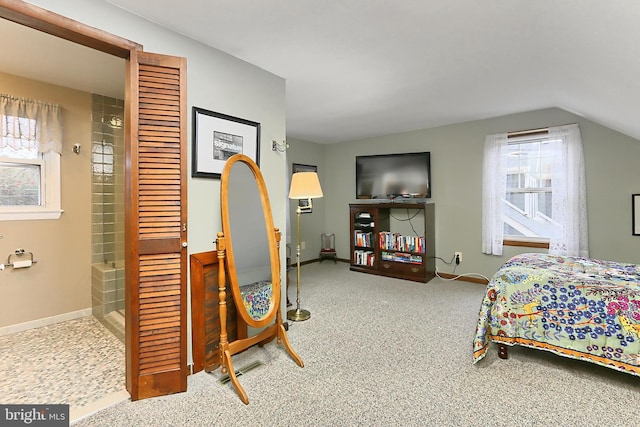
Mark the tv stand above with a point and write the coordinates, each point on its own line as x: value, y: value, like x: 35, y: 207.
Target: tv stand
x: 383, y: 240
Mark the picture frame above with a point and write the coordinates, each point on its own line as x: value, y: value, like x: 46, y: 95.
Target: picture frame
x: 635, y: 214
x: 298, y: 167
x: 216, y: 137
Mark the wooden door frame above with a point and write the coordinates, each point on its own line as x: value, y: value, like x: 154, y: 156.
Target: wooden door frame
x: 57, y: 25
x: 49, y: 22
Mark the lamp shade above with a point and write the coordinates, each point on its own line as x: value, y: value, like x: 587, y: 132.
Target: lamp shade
x: 305, y: 185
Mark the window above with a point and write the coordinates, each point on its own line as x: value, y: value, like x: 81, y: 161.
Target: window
x: 534, y: 191
x: 527, y: 205
x: 29, y: 162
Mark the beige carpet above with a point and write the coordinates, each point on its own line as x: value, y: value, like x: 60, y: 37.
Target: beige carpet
x: 388, y: 352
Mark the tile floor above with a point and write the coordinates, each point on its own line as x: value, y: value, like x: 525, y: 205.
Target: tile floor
x: 76, y: 362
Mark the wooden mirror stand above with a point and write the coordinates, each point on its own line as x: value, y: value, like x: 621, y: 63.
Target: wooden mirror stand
x: 242, y: 187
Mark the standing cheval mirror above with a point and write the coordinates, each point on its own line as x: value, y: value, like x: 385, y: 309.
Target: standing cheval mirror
x: 248, y: 247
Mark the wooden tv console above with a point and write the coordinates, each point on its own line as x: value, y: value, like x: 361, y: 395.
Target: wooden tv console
x: 393, y: 239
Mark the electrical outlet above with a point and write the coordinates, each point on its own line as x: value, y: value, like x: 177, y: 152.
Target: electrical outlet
x: 302, y: 246
x: 458, y: 257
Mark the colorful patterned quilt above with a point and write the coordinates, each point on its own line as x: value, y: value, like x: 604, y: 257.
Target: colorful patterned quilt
x: 257, y: 298
x: 580, y: 308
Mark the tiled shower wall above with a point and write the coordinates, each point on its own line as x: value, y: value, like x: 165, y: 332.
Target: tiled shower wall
x: 107, y: 201
x: 107, y: 179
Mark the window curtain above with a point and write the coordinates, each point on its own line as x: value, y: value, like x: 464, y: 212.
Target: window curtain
x: 569, y: 200
x: 494, y: 190
x: 38, y: 122
x: 569, y: 192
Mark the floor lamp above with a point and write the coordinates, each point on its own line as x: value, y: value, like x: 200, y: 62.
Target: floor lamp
x: 304, y: 185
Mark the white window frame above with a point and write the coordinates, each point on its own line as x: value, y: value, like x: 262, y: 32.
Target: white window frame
x: 50, y: 201
x: 528, y: 190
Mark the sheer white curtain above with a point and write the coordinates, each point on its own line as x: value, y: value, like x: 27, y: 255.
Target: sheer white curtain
x: 494, y: 188
x: 568, y: 188
x: 569, y: 192
x: 43, y: 123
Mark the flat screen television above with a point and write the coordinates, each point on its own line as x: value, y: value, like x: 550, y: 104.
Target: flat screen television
x: 390, y: 176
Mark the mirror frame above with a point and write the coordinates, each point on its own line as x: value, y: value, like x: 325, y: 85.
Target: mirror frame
x: 273, y: 241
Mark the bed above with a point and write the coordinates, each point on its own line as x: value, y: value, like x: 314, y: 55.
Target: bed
x: 580, y: 308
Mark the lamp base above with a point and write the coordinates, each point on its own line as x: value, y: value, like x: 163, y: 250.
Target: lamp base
x: 298, y: 315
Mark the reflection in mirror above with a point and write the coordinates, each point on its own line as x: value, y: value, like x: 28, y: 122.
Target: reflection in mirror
x: 252, y: 242
x: 249, y: 243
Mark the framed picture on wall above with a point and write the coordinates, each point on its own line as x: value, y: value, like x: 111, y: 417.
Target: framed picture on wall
x: 216, y: 137
x: 297, y: 167
x: 635, y: 213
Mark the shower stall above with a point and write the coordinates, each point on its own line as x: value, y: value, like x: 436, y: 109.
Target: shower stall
x: 107, y: 212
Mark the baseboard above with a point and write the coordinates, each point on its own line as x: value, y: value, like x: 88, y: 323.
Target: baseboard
x: 311, y: 261
x: 443, y: 275
x: 463, y: 278
x: 19, y: 327
x: 76, y: 414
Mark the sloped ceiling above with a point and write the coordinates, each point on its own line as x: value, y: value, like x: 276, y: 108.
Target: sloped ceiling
x: 362, y: 68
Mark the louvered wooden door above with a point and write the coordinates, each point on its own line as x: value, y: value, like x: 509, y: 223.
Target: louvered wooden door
x: 156, y: 200
x: 156, y: 227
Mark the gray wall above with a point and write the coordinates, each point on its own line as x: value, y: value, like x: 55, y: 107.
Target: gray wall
x: 219, y: 82
x: 311, y: 224
x: 456, y: 160
x: 215, y: 81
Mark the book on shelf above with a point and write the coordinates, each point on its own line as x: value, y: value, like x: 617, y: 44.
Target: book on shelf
x: 361, y: 257
x: 398, y: 242
x: 402, y: 257
x: 363, y: 238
